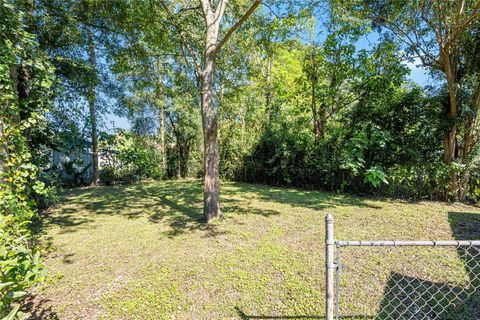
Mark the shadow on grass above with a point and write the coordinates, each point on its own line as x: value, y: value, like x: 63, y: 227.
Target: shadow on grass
x: 39, y: 309
x: 178, y: 203
x: 413, y: 298
x: 242, y: 315
x: 245, y: 316
x: 315, y: 200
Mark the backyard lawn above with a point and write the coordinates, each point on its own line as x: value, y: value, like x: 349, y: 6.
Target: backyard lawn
x: 140, y: 252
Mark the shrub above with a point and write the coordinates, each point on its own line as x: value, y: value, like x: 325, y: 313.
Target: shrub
x: 20, y: 265
x: 51, y: 190
x: 107, y: 175
x: 130, y: 157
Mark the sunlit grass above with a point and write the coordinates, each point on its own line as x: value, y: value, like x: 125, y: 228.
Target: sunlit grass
x: 141, y: 251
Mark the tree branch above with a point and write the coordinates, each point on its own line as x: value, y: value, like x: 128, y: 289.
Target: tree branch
x: 220, y: 11
x: 181, y: 34
x: 239, y: 23
x: 469, y: 20
x: 206, y: 8
x: 188, y: 9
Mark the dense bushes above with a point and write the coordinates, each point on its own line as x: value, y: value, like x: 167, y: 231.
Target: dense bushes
x: 20, y: 265
x: 388, y: 140
x: 128, y: 157
x: 388, y: 149
x: 25, y: 81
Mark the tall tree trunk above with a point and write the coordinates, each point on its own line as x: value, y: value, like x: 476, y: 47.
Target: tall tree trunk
x: 161, y: 129
x: 268, y: 93
x: 451, y: 134
x: 183, y: 157
x: 211, y: 204
x: 316, y: 132
x: 22, y: 76
x: 313, y: 82
x: 3, y: 149
x: 161, y: 137
x: 22, y: 84
x: 91, y: 105
x: 242, y: 115
x: 470, y: 140
x: 321, y: 120
x: 23, y: 73
x: 179, y: 154
x: 5, y: 118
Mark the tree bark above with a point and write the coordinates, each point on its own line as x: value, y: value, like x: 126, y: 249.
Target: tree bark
x: 4, y: 118
x: 313, y: 83
x: 321, y: 120
x: 183, y: 158
x: 23, y: 73
x: 470, y: 140
x: 22, y: 83
x: 161, y: 129
x: 211, y: 203
x: 450, y: 137
x: 268, y: 91
x: 316, y: 131
x: 451, y: 134
x: 3, y: 149
x: 161, y: 136
x: 91, y: 106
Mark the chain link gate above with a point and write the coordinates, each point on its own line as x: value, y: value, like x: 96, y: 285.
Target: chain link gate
x: 434, y: 280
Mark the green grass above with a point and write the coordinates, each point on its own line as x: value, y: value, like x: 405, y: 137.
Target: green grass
x: 141, y: 252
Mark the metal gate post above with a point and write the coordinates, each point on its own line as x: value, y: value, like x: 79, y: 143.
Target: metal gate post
x: 330, y: 266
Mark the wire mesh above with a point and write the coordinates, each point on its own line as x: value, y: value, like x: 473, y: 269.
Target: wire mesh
x: 408, y: 282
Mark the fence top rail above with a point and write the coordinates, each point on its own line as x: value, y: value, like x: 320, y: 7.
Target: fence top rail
x: 451, y: 243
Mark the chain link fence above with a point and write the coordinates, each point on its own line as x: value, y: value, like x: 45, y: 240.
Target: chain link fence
x: 402, y: 279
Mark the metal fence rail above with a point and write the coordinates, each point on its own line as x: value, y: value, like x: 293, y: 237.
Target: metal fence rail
x: 392, y: 243
x: 401, y: 279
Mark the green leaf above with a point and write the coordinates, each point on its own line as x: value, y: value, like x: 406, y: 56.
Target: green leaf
x: 16, y: 294
x: 13, y: 313
x: 5, y: 284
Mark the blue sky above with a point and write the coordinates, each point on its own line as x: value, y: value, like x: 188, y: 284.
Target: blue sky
x: 417, y: 73
x: 114, y: 121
